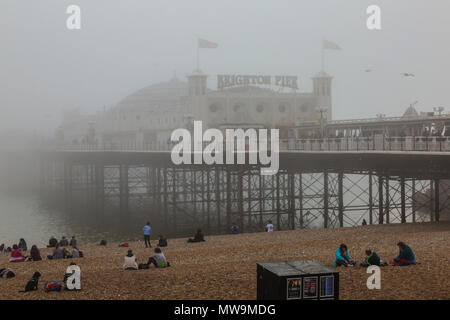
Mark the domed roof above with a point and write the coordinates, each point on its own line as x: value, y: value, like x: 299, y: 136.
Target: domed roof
x: 160, y: 95
x: 411, y: 112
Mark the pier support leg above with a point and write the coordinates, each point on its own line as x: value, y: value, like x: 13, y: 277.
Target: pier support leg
x: 165, y: 199
x: 413, y: 204
x: 436, y: 200
x: 325, y: 199
x: 174, y: 199
x: 278, y: 201
x: 228, y: 193
x: 380, y: 199
x: 300, y: 195
x: 240, y: 189
x: 292, y: 200
x: 217, y: 194
x: 68, y: 187
x: 403, y: 200
x: 341, y: 198
x: 99, y: 191
x: 124, y: 192
x: 370, y: 199
x: 387, y: 207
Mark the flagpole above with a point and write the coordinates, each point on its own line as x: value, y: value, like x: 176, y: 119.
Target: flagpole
x: 323, y: 58
x: 198, y: 56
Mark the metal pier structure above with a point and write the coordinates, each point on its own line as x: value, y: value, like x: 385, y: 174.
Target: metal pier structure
x: 312, y: 188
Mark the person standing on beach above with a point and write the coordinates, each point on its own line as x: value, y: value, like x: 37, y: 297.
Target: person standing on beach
x: 147, y: 230
x: 234, y: 228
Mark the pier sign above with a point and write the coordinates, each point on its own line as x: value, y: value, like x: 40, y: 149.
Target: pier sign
x: 227, y: 80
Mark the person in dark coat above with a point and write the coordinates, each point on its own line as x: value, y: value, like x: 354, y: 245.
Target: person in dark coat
x: 162, y: 242
x: 198, y: 237
x: 405, y: 256
x: 372, y: 259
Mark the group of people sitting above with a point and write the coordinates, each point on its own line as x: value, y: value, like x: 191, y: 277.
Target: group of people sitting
x: 405, y: 257
x: 60, y: 252
x: 52, y: 242
x: 17, y: 252
x: 22, y: 245
x: 157, y: 259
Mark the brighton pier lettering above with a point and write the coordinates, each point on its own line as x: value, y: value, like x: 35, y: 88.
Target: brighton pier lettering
x: 230, y: 80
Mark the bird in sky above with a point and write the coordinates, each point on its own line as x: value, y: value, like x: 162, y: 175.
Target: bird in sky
x: 367, y: 70
x: 408, y: 74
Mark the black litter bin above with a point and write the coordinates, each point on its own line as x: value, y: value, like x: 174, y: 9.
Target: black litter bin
x: 296, y: 280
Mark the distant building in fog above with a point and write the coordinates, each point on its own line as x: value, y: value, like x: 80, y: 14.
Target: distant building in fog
x: 150, y: 114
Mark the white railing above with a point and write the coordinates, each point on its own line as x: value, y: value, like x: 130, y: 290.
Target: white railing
x: 379, y: 143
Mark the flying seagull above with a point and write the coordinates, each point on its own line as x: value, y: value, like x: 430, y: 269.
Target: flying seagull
x: 408, y: 74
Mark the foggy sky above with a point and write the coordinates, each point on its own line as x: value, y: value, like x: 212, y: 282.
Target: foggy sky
x: 125, y: 45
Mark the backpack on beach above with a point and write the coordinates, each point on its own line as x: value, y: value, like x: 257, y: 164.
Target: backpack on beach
x: 143, y: 266
x: 7, y: 273
x: 50, y: 286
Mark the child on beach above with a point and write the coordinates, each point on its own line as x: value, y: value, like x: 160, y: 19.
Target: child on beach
x: 158, y: 259
x: 372, y: 259
x: 130, y: 261
x: 342, y: 257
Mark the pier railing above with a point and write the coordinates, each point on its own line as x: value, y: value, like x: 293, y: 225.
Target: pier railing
x: 379, y: 143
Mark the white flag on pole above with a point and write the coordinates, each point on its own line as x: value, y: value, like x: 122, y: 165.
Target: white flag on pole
x: 330, y: 45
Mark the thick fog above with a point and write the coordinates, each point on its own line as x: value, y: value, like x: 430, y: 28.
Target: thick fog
x: 126, y: 45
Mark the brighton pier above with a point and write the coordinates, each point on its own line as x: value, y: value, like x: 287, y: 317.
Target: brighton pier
x: 116, y: 166
x: 324, y: 187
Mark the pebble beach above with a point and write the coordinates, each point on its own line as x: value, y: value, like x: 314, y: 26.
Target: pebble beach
x: 224, y: 266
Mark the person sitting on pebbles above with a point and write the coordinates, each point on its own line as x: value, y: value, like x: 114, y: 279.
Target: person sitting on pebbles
x: 162, y: 242
x: 130, y: 261
x: 198, y: 237
x: 158, y: 259
x: 372, y: 259
x: 342, y: 257
x: 405, y: 256
x: 58, y: 253
x: 17, y: 255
